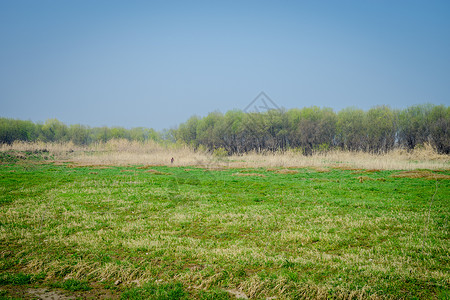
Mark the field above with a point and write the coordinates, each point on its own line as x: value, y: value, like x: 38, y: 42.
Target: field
x: 88, y: 227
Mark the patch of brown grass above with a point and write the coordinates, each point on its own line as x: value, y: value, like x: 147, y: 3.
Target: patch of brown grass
x: 246, y: 171
x: 366, y: 171
x: 421, y: 174
x: 286, y: 171
x: 366, y: 178
x: 248, y: 174
x: 347, y: 168
x: 155, y: 172
x: 147, y: 167
x: 216, y: 168
x: 81, y: 165
x: 321, y: 170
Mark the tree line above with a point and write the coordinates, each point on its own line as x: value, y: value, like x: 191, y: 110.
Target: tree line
x: 54, y: 130
x: 310, y: 129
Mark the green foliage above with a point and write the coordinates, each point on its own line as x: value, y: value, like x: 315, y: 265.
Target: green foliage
x: 414, y: 125
x: 3, y: 296
x: 220, y: 152
x: 214, y: 294
x: 165, y: 291
x: 314, y: 129
x: 8, y: 157
x: 16, y: 279
x: 380, y: 122
x: 72, y: 285
x: 439, y: 126
x: 76, y: 285
x: 187, y: 132
x: 54, y: 130
x: 351, y: 129
x: 17, y: 130
x: 79, y: 134
x: 322, y: 148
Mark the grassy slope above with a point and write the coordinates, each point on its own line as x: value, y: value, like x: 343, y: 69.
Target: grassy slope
x: 308, y: 234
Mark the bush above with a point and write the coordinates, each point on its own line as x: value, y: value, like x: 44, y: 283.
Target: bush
x: 220, y: 152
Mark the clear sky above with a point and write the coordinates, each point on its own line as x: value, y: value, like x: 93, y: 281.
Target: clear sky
x: 156, y: 63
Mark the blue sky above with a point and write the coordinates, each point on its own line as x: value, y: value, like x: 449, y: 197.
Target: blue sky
x: 156, y: 63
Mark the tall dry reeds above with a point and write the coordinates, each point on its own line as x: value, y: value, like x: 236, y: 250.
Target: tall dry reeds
x: 424, y: 158
x: 124, y: 152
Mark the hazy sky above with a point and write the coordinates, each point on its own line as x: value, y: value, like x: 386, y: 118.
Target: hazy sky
x: 156, y: 63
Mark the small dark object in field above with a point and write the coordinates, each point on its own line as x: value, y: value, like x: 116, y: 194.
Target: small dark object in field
x: 172, y: 160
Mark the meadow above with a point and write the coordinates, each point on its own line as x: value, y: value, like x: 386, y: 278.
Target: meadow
x: 110, y: 223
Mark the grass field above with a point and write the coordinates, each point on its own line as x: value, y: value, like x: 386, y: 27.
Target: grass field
x: 182, y: 232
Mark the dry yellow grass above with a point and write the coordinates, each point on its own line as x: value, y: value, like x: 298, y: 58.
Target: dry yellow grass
x: 320, y: 169
x: 420, y: 174
x: 157, y: 172
x: 286, y: 171
x: 424, y: 158
x: 346, y: 168
x: 362, y: 171
x: 123, y: 152
x: 249, y: 174
x: 366, y: 178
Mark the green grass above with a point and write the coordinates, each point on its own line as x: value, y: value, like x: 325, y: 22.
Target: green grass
x: 200, y: 233
x: 154, y: 291
x: 16, y: 279
x: 72, y: 285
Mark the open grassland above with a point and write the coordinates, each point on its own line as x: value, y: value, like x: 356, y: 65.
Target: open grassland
x: 216, y: 232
